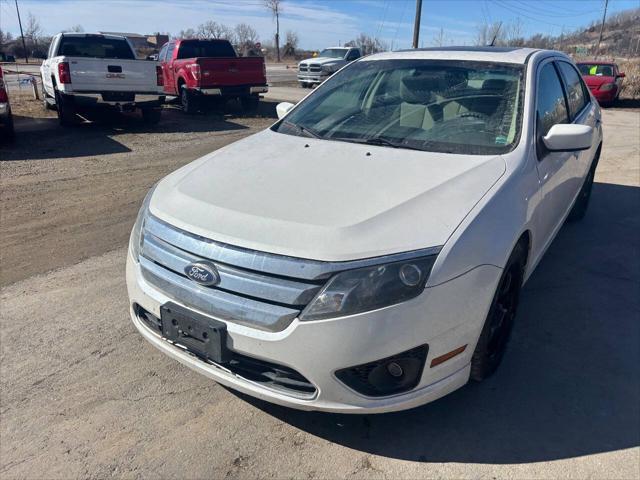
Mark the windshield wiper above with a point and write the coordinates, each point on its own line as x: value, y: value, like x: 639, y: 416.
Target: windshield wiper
x: 304, y: 130
x: 380, y: 141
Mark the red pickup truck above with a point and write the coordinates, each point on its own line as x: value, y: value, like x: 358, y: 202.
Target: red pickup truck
x: 195, y: 69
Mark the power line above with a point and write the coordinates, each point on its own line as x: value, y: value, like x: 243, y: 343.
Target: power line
x: 404, y: 9
x: 539, y: 20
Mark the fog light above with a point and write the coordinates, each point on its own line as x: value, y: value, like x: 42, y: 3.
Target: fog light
x: 394, y: 369
x: 387, y: 376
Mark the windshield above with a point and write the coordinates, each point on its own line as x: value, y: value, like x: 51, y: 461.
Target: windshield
x: 598, y: 70
x: 333, y: 52
x: 95, y: 47
x: 439, y: 106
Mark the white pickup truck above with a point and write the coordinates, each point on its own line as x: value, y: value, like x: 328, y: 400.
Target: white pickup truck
x: 84, y: 71
x: 315, y: 70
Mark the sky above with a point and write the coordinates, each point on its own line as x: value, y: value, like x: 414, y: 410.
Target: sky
x: 319, y: 23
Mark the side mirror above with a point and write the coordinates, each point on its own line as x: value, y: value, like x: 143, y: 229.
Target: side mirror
x: 568, y: 138
x: 621, y: 75
x: 283, y: 108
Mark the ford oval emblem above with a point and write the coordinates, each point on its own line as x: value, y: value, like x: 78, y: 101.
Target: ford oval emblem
x: 204, y: 273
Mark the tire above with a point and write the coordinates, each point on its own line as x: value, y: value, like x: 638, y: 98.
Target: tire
x: 151, y: 116
x: 66, y: 110
x: 250, y: 103
x: 8, y: 133
x: 581, y: 205
x: 499, y: 323
x: 189, y: 101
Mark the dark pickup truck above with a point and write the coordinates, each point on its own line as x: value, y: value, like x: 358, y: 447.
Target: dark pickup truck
x: 195, y: 69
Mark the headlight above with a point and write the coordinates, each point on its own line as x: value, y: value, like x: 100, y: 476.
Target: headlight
x: 329, y: 68
x: 607, y: 86
x: 137, y: 236
x: 369, y: 288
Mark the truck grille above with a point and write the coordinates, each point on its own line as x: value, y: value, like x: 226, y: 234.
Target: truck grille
x: 310, y: 67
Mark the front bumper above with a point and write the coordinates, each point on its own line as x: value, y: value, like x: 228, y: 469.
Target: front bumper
x: 313, y: 77
x: 317, y: 349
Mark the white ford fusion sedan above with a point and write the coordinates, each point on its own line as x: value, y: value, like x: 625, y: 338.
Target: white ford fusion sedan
x: 366, y: 253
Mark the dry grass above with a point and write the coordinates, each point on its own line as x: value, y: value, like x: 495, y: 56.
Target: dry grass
x: 631, y: 83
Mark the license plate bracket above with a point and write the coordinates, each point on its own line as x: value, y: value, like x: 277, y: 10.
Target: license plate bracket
x: 201, y: 335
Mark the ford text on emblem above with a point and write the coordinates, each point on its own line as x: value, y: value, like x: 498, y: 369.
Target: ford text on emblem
x: 203, y: 273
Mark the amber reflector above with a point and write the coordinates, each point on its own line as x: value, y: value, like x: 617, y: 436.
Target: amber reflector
x: 447, y: 356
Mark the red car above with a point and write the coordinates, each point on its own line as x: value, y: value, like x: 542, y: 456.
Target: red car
x: 197, y: 69
x: 604, y: 79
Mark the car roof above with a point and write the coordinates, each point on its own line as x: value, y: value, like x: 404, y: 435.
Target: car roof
x: 516, y: 55
x: 103, y: 35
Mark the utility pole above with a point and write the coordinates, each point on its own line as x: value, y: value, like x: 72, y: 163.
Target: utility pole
x: 604, y: 16
x: 416, y: 25
x: 24, y: 45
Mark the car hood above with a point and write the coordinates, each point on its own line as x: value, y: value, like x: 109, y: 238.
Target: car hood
x: 596, y: 80
x: 323, y: 60
x: 324, y: 200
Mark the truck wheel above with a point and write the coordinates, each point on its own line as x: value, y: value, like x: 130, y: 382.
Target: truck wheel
x: 250, y: 103
x: 499, y: 323
x: 66, y: 110
x: 189, y: 101
x: 7, y: 133
x: 579, y: 209
x: 151, y: 116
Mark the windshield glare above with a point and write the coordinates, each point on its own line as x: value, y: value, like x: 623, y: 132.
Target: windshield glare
x: 333, y: 53
x: 440, y: 106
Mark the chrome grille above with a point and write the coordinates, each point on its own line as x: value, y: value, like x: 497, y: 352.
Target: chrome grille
x: 303, y: 67
x: 315, y: 67
x: 257, y: 289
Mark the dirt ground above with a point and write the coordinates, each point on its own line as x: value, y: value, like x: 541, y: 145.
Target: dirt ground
x: 74, y: 192
x: 82, y: 395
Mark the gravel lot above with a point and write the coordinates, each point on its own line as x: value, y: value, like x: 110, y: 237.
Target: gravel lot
x: 82, y: 395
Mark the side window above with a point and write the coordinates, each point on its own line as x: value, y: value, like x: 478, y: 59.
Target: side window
x: 172, y: 47
x: 575, y: 88
x: 353, y: 55
x: 163, y: 53
x: 551, y: 107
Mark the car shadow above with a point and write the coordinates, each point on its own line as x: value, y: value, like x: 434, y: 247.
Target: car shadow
x: 568, y: 385
x: 626, y: 103
x: 43, y: 138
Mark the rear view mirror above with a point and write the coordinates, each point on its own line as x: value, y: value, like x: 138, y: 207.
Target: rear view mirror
x: 283, y: 108
x: 621, y: 75
x: 568, y: 138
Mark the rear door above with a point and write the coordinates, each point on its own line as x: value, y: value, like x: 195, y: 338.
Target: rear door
x: 167, y: 70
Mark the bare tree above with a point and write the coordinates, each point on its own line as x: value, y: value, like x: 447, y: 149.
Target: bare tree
x: 292, y: 39
x: 275, y: 7
x: 188, y: 33
x: 487, y: 32
x: 367, y: 44
x: 75, y: 29
x: 32, y: 29
x: 5, y: 38
x: 212, y: 29
x: 440, y: 39
x: 246, y: 35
